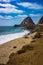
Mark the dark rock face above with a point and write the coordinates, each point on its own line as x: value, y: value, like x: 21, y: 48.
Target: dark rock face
x: 41, y: 20
x: 16, y: 25
x: 27, y: 23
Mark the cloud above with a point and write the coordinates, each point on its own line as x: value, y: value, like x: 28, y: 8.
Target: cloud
x: 6, y: 17
x: 34, y: 15
x: 5, y: 0
x: 8, y: 5
x: 30, y: 5
x: 9, y: 8
x: 21, y: 16
x: 1, y: 17
x: 12, y: 17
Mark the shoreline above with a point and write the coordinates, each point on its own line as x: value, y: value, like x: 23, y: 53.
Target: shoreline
x: 8, y: 48
x: 9, y: 37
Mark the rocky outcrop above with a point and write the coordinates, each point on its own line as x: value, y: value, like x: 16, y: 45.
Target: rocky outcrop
x: 41, y: 20
x: 27, y: 23
x: 39, y: 26
x: 16, y: 25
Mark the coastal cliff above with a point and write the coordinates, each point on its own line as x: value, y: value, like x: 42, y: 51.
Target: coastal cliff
x: 39, y: 26
x: 41, y: 20
x: 27, y: 23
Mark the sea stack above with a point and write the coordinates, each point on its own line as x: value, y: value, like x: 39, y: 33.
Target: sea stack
x: 40, y: 25
x: 27, y: 23
x: 41, y: 20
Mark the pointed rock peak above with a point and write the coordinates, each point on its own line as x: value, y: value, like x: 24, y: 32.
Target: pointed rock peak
x: 27, y: 21
x: 42, y: 17
x: 28, y: 18
x: 41, y: 20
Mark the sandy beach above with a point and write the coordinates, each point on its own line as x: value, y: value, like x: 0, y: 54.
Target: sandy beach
x: 9, y: 47
x: 8, y: 37
x: 27, y: 50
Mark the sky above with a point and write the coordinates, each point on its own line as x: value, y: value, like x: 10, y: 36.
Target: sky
x: 15, y: 11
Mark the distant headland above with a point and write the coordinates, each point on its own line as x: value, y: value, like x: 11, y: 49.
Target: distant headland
x: 28, y: 23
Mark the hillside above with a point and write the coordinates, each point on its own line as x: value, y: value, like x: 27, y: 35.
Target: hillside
x: 41, y: 20
x: 39, y: 27
x: 32, y: 56
x: 27, y: 23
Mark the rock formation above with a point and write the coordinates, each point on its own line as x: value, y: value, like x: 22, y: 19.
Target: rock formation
x: 27, y: 23
x: 41, y: 20
x: 16, y: 25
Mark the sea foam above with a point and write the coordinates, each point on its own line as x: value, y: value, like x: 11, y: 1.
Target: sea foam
x: 9, y: 37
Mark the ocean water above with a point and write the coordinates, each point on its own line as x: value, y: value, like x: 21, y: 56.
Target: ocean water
x: 10, y: 29
x: 10, y: 33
